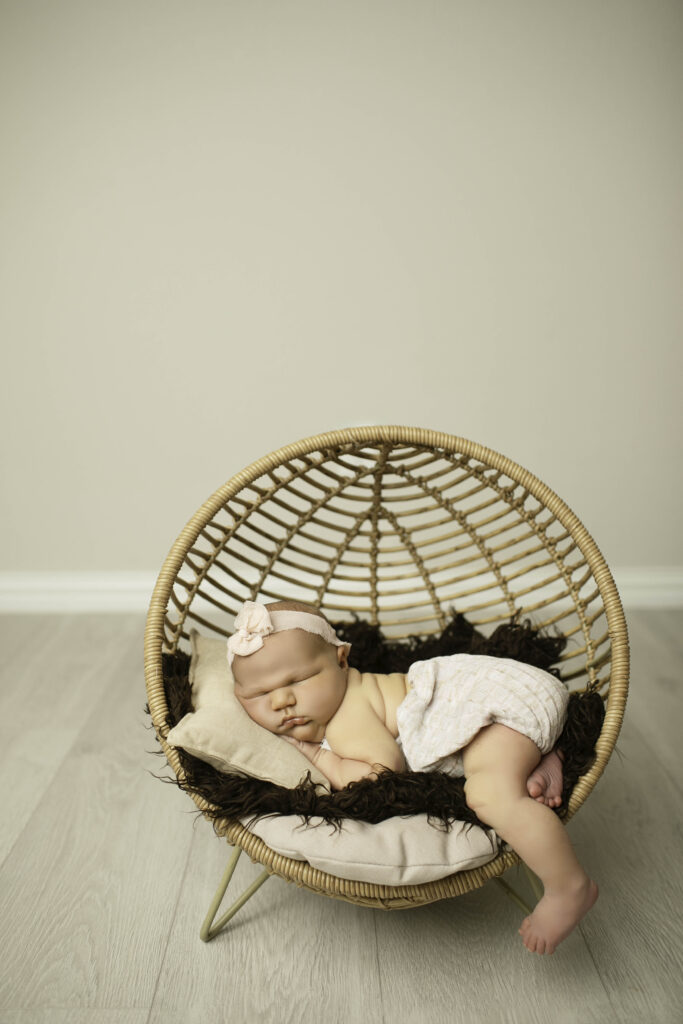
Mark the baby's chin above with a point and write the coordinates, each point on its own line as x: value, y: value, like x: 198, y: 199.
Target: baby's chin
x: 311, y: 732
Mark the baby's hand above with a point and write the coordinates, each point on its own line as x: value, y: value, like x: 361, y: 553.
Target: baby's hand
x: 338, y: 771
x: 310, y: 750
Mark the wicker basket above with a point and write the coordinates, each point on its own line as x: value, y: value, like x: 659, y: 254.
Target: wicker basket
x: 398, y: 525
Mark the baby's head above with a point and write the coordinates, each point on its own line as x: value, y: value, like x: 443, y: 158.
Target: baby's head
x: 289, y: 667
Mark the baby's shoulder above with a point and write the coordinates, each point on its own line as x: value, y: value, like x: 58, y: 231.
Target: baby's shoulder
x: 362, y: 688
x: 359, y: 731
x: 360, y: 700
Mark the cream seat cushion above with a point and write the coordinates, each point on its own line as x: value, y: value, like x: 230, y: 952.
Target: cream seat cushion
x: 397, y: 851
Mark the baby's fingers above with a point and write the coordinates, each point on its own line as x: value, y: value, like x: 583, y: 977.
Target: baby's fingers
x: 301, y: 745
x: 311, y: 751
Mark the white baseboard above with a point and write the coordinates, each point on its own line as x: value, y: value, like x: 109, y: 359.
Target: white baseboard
x: 660, y: 587
x: 71, y: 592
x: 62, y: 592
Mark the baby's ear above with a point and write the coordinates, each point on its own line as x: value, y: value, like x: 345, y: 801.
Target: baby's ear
x: 343, y: 655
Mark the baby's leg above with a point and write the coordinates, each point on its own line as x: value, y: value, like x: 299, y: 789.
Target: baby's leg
x: 497, y: 764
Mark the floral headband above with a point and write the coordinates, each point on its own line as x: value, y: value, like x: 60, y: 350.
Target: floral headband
x: 254, y: 622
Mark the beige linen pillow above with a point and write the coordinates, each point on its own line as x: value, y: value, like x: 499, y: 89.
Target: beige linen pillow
x: 398, y: 851
x: 220, y: 731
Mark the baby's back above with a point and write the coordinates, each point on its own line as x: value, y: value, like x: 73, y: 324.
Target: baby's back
x: 383, y: 692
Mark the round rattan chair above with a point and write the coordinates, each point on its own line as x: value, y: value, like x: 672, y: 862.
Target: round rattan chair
x: 399, y: 525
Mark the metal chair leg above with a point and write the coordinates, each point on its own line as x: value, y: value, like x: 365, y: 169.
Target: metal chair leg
x: 513, y: 894
x: 534, y: 882
x: 207, y: 932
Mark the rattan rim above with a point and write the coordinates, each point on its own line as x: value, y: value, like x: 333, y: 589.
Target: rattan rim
x: 301, y: 872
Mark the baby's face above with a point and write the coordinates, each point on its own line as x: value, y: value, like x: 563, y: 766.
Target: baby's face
x: 293, y: 685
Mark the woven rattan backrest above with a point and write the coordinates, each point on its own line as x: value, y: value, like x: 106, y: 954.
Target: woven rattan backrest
x: 397, y: 525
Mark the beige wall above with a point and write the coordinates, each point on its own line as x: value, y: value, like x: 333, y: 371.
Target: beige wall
x: 229, y: 225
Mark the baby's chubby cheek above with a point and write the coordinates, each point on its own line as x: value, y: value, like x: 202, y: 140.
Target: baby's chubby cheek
x: 254, y: 714
x: 244, y: 704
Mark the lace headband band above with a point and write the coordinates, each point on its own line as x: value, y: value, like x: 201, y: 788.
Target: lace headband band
x: 254, y: 622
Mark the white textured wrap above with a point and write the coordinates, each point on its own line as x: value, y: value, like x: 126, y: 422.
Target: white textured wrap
x: 254, y: 622
x: 451, y: 698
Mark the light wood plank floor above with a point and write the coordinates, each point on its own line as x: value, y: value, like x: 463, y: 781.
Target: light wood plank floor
x: 105, y: 874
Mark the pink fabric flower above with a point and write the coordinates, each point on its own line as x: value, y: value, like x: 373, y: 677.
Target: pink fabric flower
x: 251, y: 626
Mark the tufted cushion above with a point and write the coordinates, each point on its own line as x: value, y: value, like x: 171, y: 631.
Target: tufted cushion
x: 398, y: 851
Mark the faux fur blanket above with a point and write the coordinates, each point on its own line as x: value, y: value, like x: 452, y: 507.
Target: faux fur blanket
x: 440, y: 796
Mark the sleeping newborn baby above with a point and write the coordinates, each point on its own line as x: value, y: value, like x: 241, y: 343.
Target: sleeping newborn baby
x: 492, y: 720
x: 298, y: 685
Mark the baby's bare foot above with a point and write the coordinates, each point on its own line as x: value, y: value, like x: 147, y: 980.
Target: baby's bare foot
x: 545, y: 782
x: 556, y: 915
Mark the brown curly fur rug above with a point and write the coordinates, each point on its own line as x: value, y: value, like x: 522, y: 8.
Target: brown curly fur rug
x: 440, y: 796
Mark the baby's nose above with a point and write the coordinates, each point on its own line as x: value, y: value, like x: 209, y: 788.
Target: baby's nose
x: 281, y: 698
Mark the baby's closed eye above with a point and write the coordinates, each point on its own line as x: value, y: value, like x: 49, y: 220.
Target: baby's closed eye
x: 267, y: 693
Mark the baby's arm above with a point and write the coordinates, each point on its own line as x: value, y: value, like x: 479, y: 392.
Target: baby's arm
x: 339, y: 771
x: 362, y: 745
x: 360, y: 733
